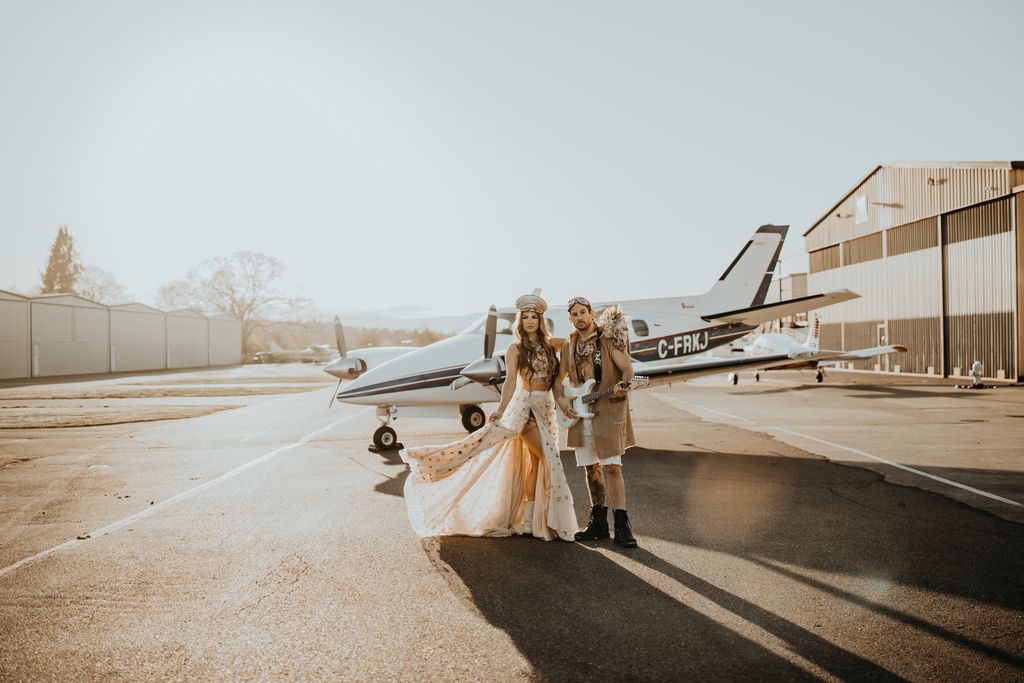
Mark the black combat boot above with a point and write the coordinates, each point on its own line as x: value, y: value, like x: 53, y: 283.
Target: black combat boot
x: 623, y: 534
x: 597, y: 527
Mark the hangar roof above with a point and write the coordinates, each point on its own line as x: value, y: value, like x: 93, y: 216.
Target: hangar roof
x: 900, y: 192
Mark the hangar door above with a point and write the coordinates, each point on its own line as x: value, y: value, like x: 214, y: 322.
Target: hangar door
x: 979, y: 289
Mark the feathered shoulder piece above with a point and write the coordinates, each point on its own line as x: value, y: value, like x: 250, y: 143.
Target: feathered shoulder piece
x: 613, y: 325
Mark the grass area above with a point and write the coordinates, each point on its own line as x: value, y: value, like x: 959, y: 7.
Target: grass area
x: 118, y: 391
x: 28, y: 417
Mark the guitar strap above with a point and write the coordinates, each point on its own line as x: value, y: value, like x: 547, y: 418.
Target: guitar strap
x: 597, y: 357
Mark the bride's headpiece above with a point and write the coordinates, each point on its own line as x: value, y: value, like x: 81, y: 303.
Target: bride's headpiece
x: 531, y: 302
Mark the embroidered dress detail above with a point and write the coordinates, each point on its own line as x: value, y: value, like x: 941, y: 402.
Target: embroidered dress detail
x: 543, y: 364
x: 475, y: 487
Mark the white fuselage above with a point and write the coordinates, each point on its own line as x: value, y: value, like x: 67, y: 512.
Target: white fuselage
x: 424, y: 377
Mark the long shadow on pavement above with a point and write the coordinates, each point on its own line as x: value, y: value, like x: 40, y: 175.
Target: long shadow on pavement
x: 575, y: 614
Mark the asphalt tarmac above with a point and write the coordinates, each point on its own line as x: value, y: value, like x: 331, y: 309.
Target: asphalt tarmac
x: 266, y: 542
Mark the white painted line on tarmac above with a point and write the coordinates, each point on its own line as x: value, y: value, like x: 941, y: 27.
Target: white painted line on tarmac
x: 683, y: 405
x: 865, y: 454
x: 180, y: 497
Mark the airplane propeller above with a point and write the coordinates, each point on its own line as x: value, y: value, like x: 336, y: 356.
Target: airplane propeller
x: 344, y: 367
x: 486, y: 370
x: 339, y: 336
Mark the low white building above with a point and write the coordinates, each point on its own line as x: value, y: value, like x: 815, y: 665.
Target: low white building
x: 138, y: 338
x: 225, y: 340
x: 70, y: 335
x: 188, y: 339
x: 15, y: 341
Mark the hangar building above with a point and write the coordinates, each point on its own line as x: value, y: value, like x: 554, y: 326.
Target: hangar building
x: 225, y: 340
x: 935, y: 251
x: 188, y: 339
x: 138, y: 338
x: 51, y: 335
x: 15, y: 341
x: 70, y: 335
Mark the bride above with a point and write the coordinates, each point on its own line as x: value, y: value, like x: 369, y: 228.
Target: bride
x: 507, y: 477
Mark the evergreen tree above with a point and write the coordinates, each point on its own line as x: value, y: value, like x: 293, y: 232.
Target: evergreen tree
x: 63, y: 267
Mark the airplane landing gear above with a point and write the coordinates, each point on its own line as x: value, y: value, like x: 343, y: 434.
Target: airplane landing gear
x: 473, y: 418
x: 757, y: 376
x: 819, y: 376
x: 385, y: 438
x: 733, y: 378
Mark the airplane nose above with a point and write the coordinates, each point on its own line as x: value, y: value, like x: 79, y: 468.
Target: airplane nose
x: 346, y: 368
x: 483, y: 370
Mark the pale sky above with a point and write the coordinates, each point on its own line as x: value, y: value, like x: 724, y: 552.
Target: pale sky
x: 456, y: 154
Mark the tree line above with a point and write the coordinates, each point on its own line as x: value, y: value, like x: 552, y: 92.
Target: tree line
x: 245, y: 285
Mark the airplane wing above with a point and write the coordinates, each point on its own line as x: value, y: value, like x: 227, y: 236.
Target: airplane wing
x: 811, y: 359
x: 756, y: 315
x: 860, y: 354
x: 700, y: 366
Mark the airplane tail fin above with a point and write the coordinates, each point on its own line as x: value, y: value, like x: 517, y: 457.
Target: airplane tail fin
x: 744, y: 284
x: 275, y: 347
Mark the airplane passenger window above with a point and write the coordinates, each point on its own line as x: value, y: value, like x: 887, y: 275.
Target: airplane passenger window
x: 640, y: 328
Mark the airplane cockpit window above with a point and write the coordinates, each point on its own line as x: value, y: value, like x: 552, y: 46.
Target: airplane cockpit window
x: 640, y: 328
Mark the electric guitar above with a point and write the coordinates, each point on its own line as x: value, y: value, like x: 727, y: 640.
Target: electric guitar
x: 582, y: 396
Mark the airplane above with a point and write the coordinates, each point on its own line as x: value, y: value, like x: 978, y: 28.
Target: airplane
x: 808, y: 354
x: 351, y: 364
x: 449, y: 377
x: 317, y: 353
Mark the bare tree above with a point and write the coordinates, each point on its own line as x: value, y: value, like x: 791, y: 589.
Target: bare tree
x: 98, y: 285
x: 243, y: 285
x: 175, y: 295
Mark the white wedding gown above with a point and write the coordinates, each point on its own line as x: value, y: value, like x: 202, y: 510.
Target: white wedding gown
x: 475, y: 487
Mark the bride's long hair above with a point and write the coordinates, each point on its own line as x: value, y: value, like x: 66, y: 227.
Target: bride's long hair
x: 528, y: 351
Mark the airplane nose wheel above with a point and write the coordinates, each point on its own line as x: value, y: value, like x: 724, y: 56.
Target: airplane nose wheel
x: 385, y: 438
x: 820, y: 376
x: 473, y: 418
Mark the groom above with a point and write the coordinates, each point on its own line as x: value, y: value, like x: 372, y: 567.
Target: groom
x: 600, y: 353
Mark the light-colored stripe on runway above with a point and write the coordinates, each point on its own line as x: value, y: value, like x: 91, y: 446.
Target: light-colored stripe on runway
x: 683, y: 405
x: 180, y: 497
x: 865, y: 454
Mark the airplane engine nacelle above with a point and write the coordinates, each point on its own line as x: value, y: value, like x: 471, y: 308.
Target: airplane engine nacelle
x: 346, y: 368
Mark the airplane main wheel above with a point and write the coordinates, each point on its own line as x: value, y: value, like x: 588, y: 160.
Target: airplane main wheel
x: 733, y: 378
x: 385, y: 438
x: 820, y: 377
x: 473, y: 418
x: 757, y: 376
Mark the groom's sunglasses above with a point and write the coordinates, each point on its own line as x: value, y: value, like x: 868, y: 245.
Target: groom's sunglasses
x: 579, y: 300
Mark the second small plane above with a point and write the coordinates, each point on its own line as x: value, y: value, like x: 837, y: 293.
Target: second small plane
x: 669, y: 336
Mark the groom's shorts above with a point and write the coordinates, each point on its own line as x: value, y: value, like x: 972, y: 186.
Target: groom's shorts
x: 587, y: 453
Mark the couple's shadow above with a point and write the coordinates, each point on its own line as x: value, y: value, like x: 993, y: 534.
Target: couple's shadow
x: 593, y: 611
x: 579, y: 612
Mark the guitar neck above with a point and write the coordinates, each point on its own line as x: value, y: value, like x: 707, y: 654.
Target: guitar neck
x: 590, y: 398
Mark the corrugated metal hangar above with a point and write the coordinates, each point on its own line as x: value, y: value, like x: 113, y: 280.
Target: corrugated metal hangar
x: 15, y: 341
x: 63, y: 334
x: 936, y: 251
